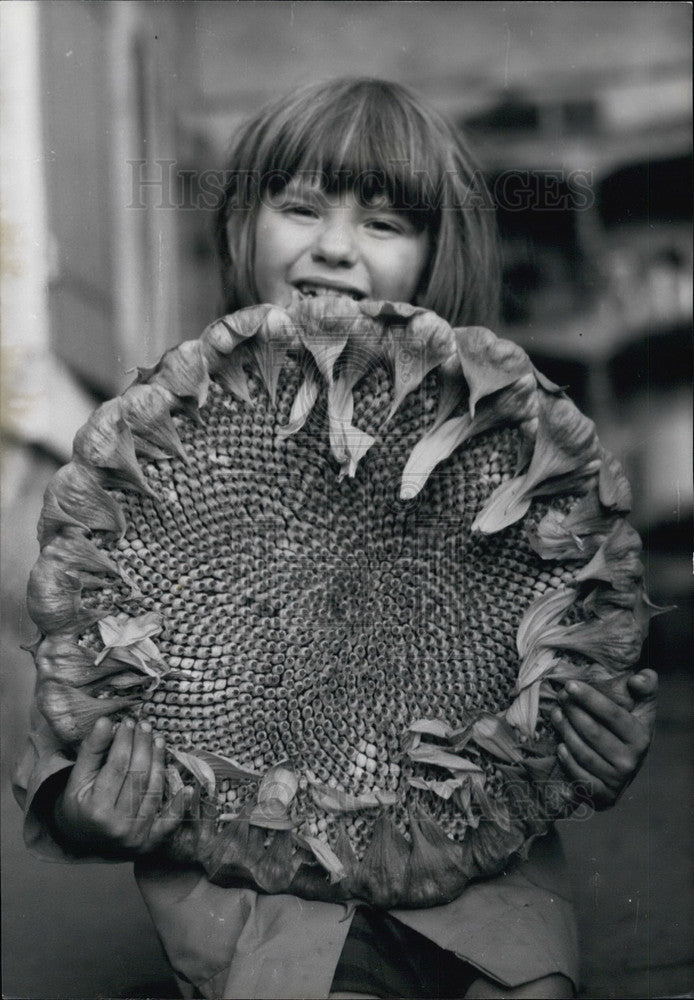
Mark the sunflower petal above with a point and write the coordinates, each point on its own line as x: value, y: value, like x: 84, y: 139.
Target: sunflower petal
x: 543, y: 614
x: 183, y: 371
x: 566, y: 441
x: 304, y: 401
x: 71, y: 713
x: 326, y: 857
x: 106, y: 442
x: 225, y: 767
x: 380, y: 878
x: 389, y: 312
x: 147, y: 411
x: 493, y: 734
x: 614, y: 640
x: 524, y: 709
x: 414, y: 352
x: 427, y: 753
x: 438, y: 868
x: 617, y: 560
x: 199, y: 768
x: 489, y: 363
x: 74, y: 496
x: 613, y: 485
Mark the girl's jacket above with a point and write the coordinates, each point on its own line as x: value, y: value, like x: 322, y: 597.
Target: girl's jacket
x: 516, y: 927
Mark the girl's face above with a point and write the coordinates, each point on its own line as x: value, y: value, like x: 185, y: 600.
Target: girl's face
x: 310, y: 241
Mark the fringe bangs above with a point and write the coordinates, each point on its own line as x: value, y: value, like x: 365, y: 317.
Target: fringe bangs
x: 367, y: 138
x: 375, y: 139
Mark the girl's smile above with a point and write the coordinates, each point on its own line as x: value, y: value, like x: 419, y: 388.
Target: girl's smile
x: 313, y: 242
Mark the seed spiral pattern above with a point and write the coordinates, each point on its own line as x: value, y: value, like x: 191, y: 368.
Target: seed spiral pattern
x: 330, y: 630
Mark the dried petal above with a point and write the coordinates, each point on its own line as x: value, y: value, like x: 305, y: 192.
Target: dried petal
x: 54, y: 599
x: 536, y: 665
x: 444, y: 789
x: 565, y: 444
x: 74, y: 496
x: 543, y: 614
x: 301, y: 407
x: 645, y: 609
x: 488, y: 362
x: 613, y: 485
x: 438, y: 868
x: 566, y: 441
x: 380, y: 878
x: 427, y: 753
x: 226, y: 333
x: 617, y: 560
x: 106, y: 442
x: 60, y: 658
x: 279, y: 784
x: 389, y: 312
x: 614, y: 641
x: 491, y: 808
x: 431, y: 727
x: 199, y: 768
x: 269, y: 356
x: 576, y: 535
x: 275, y: 794
x: 325, y: 348
x: 515, y: 403
x: 325, y: 857
x: 413, y: 352
x: 225, y: 767
x: 183, y: 371
x: 347, y: 443
x: 234, y: 853
x: 232, y: 375
x: 147, y: 411
x: 491, y: 847
x: 508, y: 503
x: 523, y: 710
x: 336, y: 800
x: 361, y: 354
x: 71, y: 713
x: 128, y: 640
x: 275, y: 868
x: 494, y: 735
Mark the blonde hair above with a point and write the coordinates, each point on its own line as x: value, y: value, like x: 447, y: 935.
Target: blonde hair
x: 373, y: 137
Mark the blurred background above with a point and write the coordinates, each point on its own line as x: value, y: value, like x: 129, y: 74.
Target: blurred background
x: 115, y: 119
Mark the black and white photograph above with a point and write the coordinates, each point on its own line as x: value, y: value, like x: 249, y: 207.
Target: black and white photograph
x: 347, y: 500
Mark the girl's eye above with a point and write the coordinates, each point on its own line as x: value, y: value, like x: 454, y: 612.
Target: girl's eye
x: 302, y: 210
x: 387, y: 226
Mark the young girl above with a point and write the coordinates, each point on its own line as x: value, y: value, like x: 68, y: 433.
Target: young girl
x: 348, y: 188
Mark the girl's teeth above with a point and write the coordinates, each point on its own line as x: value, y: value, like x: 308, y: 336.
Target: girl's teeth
x: 313, y: 292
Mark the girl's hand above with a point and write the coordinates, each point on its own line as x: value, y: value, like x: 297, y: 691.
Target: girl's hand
x: 605, y: 743
x: 112, y: 802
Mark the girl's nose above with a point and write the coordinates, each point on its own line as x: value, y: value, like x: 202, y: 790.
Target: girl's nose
x: 334, y: 243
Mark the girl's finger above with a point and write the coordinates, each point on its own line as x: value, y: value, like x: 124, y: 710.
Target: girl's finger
x: 644, y: 684
x: 170, y: 817
x: 595, y: 735
x: 593, y: 704
x: 585, y: 784
x: 152, y: 799
x: 112, y: 775
x: 589, y: 760
x: 92, y: 754
x: 136, y: 780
